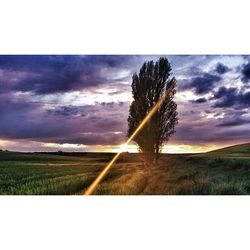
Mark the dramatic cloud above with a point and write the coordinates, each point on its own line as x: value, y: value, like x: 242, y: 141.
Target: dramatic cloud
x: 235, y: 122
x: 228, y: 97
x: 200, y: 100
x: 83, y: 101
x: 246, y: 72
x: 51, y: 74
x: 202, y: 84
x: 221, y: 69
x: 87, y: 124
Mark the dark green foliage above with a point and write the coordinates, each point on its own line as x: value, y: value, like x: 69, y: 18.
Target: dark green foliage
x: 152, y: 83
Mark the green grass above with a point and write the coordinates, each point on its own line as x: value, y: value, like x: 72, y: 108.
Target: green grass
x: 225, y: 171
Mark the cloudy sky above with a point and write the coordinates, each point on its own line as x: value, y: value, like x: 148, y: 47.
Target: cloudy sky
x: 80, y: 103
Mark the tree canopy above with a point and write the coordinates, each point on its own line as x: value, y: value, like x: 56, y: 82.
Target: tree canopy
x: 155, y: 81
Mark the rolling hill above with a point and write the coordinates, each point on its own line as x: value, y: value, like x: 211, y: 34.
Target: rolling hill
x: 241, y: 150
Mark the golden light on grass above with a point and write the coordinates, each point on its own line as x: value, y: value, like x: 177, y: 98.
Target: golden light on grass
x: 158, y: 104
x: 187, y: 149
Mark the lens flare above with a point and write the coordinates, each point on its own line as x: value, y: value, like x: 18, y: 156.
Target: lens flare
x: 123, y: 148
x: 157, y: 105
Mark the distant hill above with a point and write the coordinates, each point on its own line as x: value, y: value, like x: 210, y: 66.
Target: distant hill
x: 241, y: 150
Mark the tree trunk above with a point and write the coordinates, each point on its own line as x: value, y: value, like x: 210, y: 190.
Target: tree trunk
x: 157, y: 154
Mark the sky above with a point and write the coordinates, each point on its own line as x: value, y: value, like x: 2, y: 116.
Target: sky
x: 81, y: 102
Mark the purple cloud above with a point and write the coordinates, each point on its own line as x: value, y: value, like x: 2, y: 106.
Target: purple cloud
x: 38, y: 104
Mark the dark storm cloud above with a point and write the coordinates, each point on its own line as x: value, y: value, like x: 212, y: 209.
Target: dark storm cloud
x: 89, y: 124
x: 201, y: 84
x: 66, y: 111
x: 231, y: 136
x: 51, y: 74
x: 203, y: 126
x: 231, y: 117
x: 221, y: 69
x: 234, y: 122
x: 24, y: 120
x: 205, y: 132
x: 111, y: 104
x: 229, y: 97
x: 245, y: 73
x: 199, y: 100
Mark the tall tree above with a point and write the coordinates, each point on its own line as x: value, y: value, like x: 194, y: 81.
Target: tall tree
x: 155, y: 81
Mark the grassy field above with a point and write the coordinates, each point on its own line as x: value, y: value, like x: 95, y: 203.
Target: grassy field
x: 225, y: 171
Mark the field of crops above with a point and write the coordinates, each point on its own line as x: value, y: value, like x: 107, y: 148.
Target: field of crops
x: 219, y: 172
